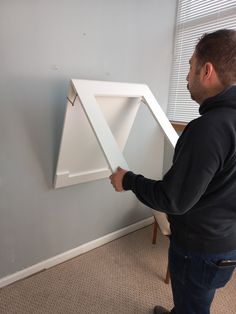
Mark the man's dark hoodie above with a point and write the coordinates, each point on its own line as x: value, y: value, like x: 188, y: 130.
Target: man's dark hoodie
x: 199, y: 191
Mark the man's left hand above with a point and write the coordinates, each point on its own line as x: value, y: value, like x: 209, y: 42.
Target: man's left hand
x: 117, y: 178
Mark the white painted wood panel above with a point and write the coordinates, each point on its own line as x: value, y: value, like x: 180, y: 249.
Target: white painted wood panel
x: 98, y: 120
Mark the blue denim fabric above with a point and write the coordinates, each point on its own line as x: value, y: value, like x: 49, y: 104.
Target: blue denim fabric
x: 195, y: 278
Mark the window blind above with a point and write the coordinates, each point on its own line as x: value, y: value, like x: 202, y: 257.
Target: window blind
x: 194, y: 18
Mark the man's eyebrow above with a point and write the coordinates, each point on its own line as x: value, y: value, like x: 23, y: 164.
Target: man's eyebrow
x: 189, y: 61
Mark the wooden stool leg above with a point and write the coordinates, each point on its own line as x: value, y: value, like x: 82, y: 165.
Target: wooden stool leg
x: 154, y: 237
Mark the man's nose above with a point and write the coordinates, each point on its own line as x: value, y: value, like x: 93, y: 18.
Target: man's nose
x: 187, y: 77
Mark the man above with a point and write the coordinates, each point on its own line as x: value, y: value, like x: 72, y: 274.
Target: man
x: 198, y: 193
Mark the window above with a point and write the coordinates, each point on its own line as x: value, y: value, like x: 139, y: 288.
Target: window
x: 194, y: 18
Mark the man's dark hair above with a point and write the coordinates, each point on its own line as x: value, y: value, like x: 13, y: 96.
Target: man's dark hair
x: 219, y: 48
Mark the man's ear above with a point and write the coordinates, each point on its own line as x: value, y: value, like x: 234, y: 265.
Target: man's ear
x: 207, y: 71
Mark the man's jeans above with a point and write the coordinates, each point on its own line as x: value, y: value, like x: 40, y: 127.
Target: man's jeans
x: 195, y: 278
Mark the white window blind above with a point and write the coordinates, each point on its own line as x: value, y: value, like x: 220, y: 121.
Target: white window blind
x: 194, y: 18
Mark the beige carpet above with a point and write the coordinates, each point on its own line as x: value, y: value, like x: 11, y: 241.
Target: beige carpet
x: 124, y: 276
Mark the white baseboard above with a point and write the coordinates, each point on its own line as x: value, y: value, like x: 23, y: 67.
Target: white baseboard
x: 53, y: 261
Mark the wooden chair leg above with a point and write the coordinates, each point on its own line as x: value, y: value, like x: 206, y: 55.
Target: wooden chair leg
x: 167, y: 279
x: 154, y: 236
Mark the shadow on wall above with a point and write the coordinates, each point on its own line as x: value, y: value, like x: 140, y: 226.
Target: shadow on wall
x: 42, y: 110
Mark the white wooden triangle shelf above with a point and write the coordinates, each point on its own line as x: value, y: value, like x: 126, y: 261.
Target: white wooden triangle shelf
x: 98, y: 120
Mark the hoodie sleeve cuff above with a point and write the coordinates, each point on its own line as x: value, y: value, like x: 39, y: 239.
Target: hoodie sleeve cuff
x: 128, y: 180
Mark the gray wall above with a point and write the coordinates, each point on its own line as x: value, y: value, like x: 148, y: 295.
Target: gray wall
x: 44, y: 44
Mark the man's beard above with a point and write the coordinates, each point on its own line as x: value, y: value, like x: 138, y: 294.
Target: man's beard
x: 191, y: 94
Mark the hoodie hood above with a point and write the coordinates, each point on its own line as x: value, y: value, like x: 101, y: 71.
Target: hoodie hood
x: 226, y: 98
